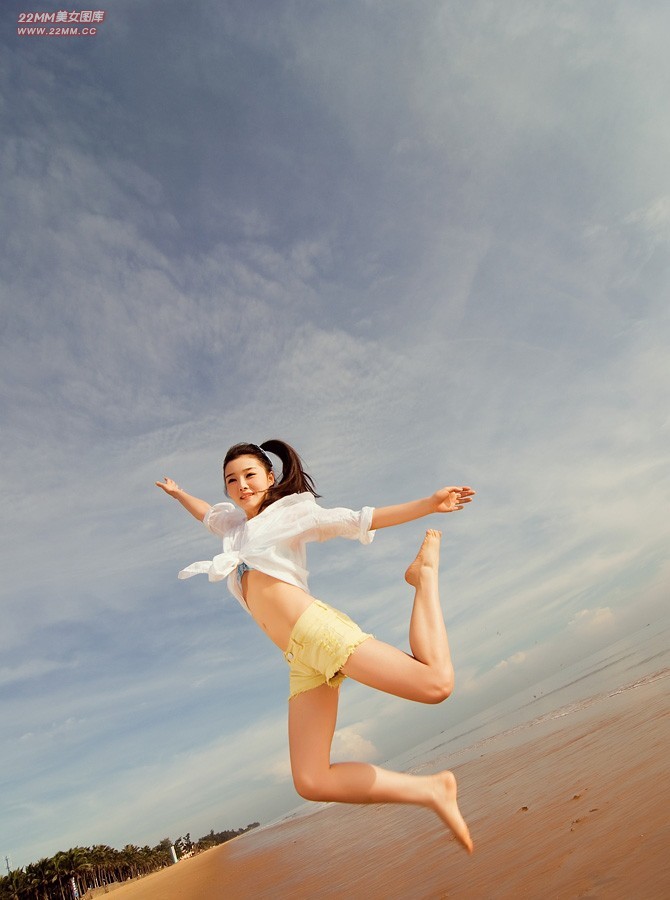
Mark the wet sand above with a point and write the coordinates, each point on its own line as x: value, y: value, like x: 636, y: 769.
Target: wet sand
x: 575, y: 804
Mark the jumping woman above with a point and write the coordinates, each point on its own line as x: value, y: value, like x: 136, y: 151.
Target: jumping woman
x: 264, y: 536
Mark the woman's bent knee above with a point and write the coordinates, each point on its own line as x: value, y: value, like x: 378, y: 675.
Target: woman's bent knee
x: 440, y: 688
x: 309, y: 787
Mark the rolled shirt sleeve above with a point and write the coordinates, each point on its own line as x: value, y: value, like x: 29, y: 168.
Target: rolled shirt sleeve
x: 221, y: 517
x: 346, y: 523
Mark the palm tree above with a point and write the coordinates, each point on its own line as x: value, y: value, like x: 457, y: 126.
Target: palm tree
x: 14, y: 885
x: 72, y: 863
x: 130, y: 856
x: 82, y: 868
x: 61, y: 873
x: 147, y: 862
x: 103, y: 860
x: 40, y: 876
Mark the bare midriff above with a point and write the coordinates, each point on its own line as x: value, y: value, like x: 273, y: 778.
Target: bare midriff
x: 274, y: 604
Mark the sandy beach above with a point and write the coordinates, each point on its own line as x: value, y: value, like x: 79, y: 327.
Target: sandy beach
x: 575, y: 803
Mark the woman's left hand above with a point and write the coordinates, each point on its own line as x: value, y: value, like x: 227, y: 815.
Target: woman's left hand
x: 451, y: 499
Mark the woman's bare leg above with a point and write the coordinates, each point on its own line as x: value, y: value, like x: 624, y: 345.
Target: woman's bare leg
x: 427, y: 675
x: 427, y: 631
x: 312, y: 719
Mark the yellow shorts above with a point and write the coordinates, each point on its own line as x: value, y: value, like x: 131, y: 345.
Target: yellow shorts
x: 321, y: 642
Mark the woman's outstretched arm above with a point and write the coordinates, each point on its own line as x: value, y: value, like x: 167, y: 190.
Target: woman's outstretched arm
x: 194, y: 505
x: 447, y: 499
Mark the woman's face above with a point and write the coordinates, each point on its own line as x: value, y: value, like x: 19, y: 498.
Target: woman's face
x: 247, y: 483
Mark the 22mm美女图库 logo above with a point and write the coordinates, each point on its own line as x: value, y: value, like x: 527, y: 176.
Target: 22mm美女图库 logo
x: 63, y: 17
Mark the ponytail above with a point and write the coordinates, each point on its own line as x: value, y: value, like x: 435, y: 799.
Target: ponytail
x: 294, y: 479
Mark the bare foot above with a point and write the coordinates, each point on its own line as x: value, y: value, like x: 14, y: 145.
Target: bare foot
x: 446, y: 807
x: 427, y: 559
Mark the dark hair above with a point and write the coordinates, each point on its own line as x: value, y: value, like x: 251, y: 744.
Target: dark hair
x: 294, y: 479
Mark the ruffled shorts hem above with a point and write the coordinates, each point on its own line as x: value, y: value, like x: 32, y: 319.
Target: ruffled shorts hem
x: 321, y: 642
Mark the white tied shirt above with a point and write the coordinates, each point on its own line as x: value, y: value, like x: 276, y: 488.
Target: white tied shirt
x: 274, y: 541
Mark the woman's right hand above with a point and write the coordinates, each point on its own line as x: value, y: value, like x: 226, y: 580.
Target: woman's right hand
x: 198, y: 508
x: 169, y: 486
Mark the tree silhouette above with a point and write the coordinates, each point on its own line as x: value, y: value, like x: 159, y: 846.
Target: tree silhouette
x: 91, y: 867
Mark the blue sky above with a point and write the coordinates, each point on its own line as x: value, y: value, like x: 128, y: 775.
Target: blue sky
x: 424, y: 243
